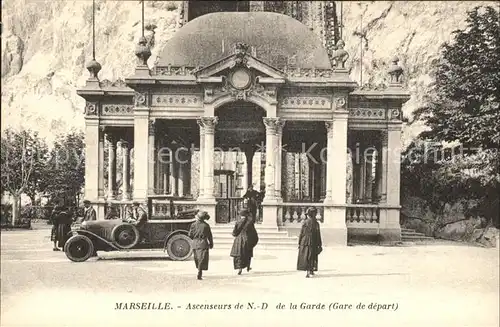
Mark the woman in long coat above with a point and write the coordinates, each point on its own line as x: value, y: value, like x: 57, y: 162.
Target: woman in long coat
x: 241, y: 246
x: 310, y: 245
x: 253, y: 239
x: 62, y: 226
x: 201, y: 234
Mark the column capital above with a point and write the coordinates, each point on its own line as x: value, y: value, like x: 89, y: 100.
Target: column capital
x: 124, y: 144
x: 274, y: 125
x: 207, y: 123
x: 151, y: 127
x: 111, y: 139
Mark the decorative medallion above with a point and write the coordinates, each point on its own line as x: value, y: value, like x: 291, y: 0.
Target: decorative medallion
x: 91, y: 108
x: 240, y: 78
x: 141, y: 99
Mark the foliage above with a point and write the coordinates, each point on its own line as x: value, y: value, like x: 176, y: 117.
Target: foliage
x: 464, y: 105
x: 66, y: 170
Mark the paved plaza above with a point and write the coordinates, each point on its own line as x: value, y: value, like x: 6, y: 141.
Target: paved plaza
x: 438, y: 285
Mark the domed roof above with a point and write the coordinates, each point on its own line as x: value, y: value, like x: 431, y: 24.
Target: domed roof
x: 275, y: 37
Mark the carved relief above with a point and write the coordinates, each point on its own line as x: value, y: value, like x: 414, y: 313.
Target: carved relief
x: 340, y: 103
x: 273, y: 125
x: 177, y: 100
x: 141, y: 99
x: 394, y: 114
x: 176, y: 71
x: 117, y: 109
x: 207, y: 124
x: 106, y: 83
x: 91, y: 108
x: 306, y: 102
x: 151, y: 127
x: 329, y: 128
x: 367, y: 113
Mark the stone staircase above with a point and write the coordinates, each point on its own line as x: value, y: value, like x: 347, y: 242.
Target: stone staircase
x: 410, y: 235
x: 270, y: 238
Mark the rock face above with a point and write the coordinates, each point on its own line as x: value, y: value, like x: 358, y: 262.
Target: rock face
x: 46, y: 45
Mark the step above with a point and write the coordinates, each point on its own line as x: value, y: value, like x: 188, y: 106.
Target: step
x: 416, y: 238
x: 262, y: 238
x: 407, y: 230
x: 411, y: 234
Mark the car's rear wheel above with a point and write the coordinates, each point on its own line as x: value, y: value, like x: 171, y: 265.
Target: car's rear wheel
x: 179, y: 247
x: 79, y: 248
x: 125, y: 236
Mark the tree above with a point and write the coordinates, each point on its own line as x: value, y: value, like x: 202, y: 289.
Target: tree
x: 66, y: 173
x: 464, y: 104
x: 22, y: 154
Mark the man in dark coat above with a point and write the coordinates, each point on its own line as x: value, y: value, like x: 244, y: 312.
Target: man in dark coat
x: 241, y: 246
x: 62, y: 221
x: 201, y: 235
x: 89, y: 213
x: 310, y: 245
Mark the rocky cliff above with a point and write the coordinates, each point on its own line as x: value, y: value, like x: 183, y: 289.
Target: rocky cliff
x: 46, y: 44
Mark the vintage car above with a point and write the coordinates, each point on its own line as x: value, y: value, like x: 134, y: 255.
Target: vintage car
x: 169, y: 234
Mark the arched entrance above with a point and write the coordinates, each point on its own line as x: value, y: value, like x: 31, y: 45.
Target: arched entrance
x: 239, y: 162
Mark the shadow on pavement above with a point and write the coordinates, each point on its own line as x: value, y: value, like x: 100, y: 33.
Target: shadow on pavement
x: 321, y: 274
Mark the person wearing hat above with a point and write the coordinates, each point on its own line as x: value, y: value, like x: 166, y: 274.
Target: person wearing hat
x: 310, y: 245
x: 89, y: 213
x: 201, y: 234
x: 62, y: 221
x: 242, y: 246
x: 140, y: 216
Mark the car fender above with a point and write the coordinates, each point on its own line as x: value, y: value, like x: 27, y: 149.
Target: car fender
x: 179, y: 231
x: 93, y: 236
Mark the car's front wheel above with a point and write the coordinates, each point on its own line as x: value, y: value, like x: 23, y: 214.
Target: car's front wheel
x: 179, y: 247
x: 79, y: 248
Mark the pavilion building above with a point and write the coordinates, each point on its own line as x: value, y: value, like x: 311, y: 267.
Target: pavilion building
x: 250, y: 93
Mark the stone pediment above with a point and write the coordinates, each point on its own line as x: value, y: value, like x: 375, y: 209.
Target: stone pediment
x: 240, y: 59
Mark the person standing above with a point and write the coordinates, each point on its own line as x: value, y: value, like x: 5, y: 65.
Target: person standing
x: 241, y: 247
x: 89, y: 213
x: 310, y: 245
x: 55, y: 225
x: 201, y: 234
x: 252, y: 199
x: 62, y: 221
x: 253, y: 239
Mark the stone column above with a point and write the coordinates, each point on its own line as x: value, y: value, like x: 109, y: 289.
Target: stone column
x: 92, y: 160
x: 279, y: 161
x: 329, y: 161
x: 126, y: 170
x: 111, y: 166
x: 272, y: 124
x: 101, y: 164
x: 382, y: 187
x: 201, y: 191
x: 208, y: 124
x: 151, y: 157
x: 390, y: 229
x: 141, y: 148
x: 172, y: 173
x: 249, y: 153
x: 180, y: 173
x: 334, y: 227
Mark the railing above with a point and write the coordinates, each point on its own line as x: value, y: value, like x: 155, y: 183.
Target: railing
x: 295, y: 213
x: 362, y: 213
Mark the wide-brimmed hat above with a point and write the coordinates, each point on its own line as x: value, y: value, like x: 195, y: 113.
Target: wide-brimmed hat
x: 312, y: 211
x: 136, y: 203
x: 244, y: 212
x: 86, y: 202
x: 203, y: 215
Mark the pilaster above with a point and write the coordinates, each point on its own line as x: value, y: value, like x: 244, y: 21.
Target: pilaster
x: 141, y: 146
x: 151, y: 155
x: 92, y: 154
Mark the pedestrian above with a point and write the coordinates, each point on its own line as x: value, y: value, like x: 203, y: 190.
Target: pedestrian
x: 241, y: 246
x: 310, y: 245
x: 253, y: 239
x: 201, y: 234
x: 62, y: 226
x: 53, y: 231
x: 89, y: 213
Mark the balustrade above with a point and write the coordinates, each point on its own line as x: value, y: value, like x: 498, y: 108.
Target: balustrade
x: 295, y: 213
x: 362, y: 213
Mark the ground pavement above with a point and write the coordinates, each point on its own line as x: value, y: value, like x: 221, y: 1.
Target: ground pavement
x: 436, y: 285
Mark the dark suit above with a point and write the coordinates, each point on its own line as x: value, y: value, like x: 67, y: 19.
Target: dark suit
x: 89, y: 214
x: 201, y: 234
x: 141, y: 217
